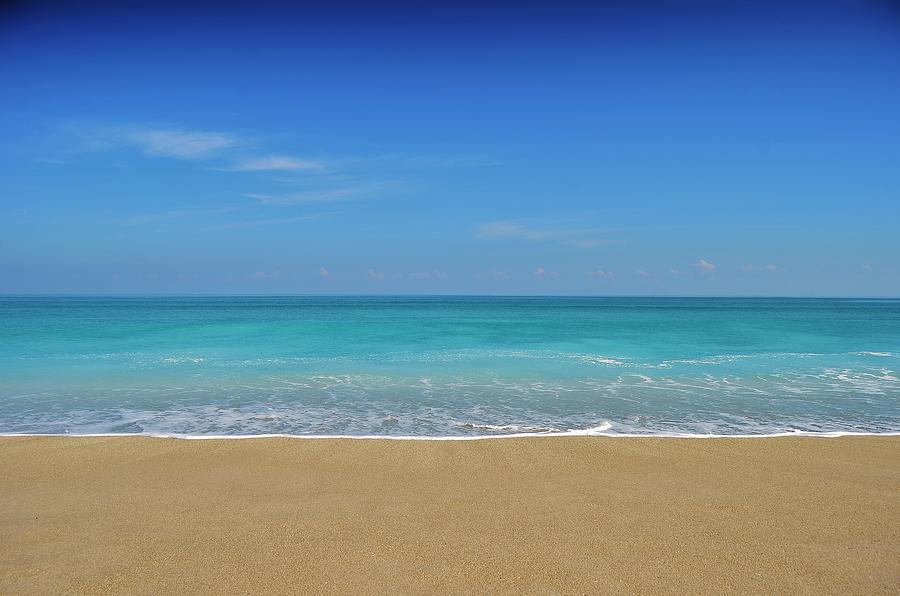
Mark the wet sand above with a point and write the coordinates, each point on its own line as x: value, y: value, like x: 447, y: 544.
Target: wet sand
x: 542, y: 515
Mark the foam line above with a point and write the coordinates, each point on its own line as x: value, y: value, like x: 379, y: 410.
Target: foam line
x: 570, y: 433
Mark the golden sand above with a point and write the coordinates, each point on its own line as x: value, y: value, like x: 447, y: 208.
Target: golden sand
x: 544, y: 515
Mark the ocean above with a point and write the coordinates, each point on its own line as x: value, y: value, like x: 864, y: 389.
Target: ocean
x: 448, y: 366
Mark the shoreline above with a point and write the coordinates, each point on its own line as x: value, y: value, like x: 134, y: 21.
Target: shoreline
x: 565, y: 434
x: 574, y: 514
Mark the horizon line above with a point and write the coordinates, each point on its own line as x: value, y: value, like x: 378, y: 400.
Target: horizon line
x: 423, y: 295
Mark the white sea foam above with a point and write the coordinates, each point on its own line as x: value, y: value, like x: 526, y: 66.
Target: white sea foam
x: 183, y: 360
x: 592, y: 432
x: 740, y: 428
x: 598, y: 359
x: 518, y: 428
x: 829, y: 395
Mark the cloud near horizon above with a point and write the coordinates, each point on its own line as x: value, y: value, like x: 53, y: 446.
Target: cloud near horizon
x: 428, y: 275
x: 600, y: 273
x: 705, y: 265
x: 542, y: 273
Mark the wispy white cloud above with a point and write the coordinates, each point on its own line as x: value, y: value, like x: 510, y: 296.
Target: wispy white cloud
x: 641, y: 273
x: 317, y: 181
x: 180, y: 144
x: 157, y: 141
x: 542, y: 273
x: 333, y: 195
x: 509, y: 229
x: 599, y: 273
x: 496, y: 274
x: 255, y: 223
x: 428, y: 275
x: 458, y: 161
x: 421, y: 161
x: 705, y: 265
x: 321, y: 183
x: 675, y: 271
x: 277, y: 162
x: 568, y: 231
x: 590, y: 243
x: 324, y: 273
x: 175, y: 214
x: 752, y: 268
x: 374, y: 274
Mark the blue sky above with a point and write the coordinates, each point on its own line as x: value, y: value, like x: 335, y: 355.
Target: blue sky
x: 622, y: 148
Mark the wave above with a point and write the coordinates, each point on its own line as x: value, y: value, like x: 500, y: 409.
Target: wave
x: 583, y: 433
x: 816, y: 394
x: 509, y: 427
x: 430, y: 420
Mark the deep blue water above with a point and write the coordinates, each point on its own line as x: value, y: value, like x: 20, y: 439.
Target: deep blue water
x: 442, y: 366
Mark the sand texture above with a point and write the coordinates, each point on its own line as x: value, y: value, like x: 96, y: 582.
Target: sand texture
x: 579, y: 515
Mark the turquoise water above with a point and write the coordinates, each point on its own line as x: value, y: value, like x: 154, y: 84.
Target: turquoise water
x: 447, y: 366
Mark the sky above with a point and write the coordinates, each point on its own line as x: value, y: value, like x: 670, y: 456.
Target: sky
x: 602, y: 148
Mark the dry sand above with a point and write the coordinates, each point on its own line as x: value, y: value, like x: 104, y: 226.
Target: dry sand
x: 543, y: 515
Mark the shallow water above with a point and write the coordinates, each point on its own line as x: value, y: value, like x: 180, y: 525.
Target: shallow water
x: 447, y: 366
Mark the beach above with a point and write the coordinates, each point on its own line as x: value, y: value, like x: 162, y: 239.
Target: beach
x: 542, y: 515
